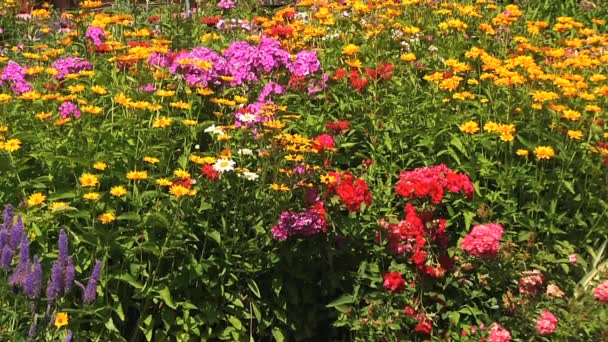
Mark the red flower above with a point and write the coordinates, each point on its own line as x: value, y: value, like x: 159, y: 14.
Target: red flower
x: 340, y: 73
x: 154, y: 18
x: 186, y: 183
x: 424, y: 327
x: 208, y: 171
x: 394, y: 282
x: 211, y: 21
x: 353, y: 192
x: 419, y: 258
x: 323, y: 142
x: 338, y: 127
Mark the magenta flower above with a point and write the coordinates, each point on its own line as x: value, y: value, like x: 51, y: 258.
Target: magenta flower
x: 546, y: 323
x: 483, y: 241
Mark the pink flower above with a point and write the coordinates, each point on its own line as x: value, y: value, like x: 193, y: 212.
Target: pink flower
x: 554, y: 291
x: 394, y: 282
x: 499, y: 334
x: 483, y: 241
x: 573, y: 259
x: 531, y: 283
x: 546, y: 323
x: 601, y: 292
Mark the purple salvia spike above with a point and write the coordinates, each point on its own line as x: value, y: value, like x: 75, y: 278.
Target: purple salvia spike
x: 6, y: 257
x: 23, y: 267
x: 53, y: 288
x: 68, y: 337
x: 17, y: 233
x: 33, y: 282
x: 63, y: 247
x: 69, y: 275
x: 3, y: 238
x: 90, y: 293
x: 7, y: 216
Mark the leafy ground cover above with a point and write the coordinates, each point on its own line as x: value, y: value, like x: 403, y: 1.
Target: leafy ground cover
x: 328, y: 170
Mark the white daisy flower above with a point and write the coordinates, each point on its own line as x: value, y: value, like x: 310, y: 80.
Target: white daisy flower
x: 213, y: 129
x: 250, y: 175
x: 223, y: 165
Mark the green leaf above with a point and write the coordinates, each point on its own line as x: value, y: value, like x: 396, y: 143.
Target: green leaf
x: 278, y: 335
x: 215, y: 235
x: 130, y: 280
x: 344, y: 299
x: 165, y: 295
x: 235, y: 322
x: 129, y: 216
x: 254, y: 288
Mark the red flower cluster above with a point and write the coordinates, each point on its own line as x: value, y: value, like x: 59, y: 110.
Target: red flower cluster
x: 211, y: 21
x: 208, y: 171
x: 433, y: 182
x: 383, y: 72
x: 337, y: 127
x: 280, y: 31
x: 424, y: 325
x: 353, y: 191
x: 394, y: 282
x: 323, y: 142
x: 357, y: 80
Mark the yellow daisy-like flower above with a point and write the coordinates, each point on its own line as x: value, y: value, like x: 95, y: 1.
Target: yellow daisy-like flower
x: 179, y: 190
x: 99, y: 90
x: 327, y: 179
x: 11, y: 145
x: 189, y: 122
x: 107, y: 217
x: 151, y: 160
x: 408, y: 57
x: 57, y: 206
x: 88, y: 180
x: 92, y: 196
x: 100, y: 166
x: 522, y: 153
x: 61, y: 319
x: 137, y: 175
x: 183, y: 174
x: 118, y: 191
x: 354, y: 63
x: 544, y: 152
x: 163, y: 182
x: 351, y: 49
x: 470, y: 127
x: 35, y: 199
x: 576, y: 135
x: 279, y: 187
x: 162, y: 122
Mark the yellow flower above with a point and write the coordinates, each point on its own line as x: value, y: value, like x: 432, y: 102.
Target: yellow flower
x: 178, y: 190
x: 61, y: 319
x: 164, y: 182
x: 118, y: 191
x: 88, y: 180
x: 162, y: 122
x: 11, y: 145
x: 576, y: 135
x: 100, y: 166
x: 522, y: 152
x: 544, y: 152
x: 351, y: 49
x: 470, y: 127
x: 57, y: 206
x: 151, y: 160
x: 99, y: 90
x: 107, y: 217
x: 189, y: 122
x: 328, y: 179
x: 354, y: 63
x: 35, y: 199
x: 408, y: 57
x: 92, y: 196
x: 180, y: 105
x: 183, y: 174
x: 137, y: 175
x: 279, y: 187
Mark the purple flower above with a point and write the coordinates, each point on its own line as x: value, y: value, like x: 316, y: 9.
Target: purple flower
x: 63, y: 246
x: 270, y: 88
x: 68, y: 337
x: 33, y: 281
x: 148, y: 88
x: 159, y: 59
x: 305, y: 223
x: 226, y: 4
x: 70, y: 65
x: 67, y: 108
x: 17, y: 279
x: 54, y: 286
x: 69, y: 272
x: 14, y: 74
x: 7, y: 216
x: 17, y: 233
x: 90, y: 293
x: 96, y: 34
x: 306, y: 63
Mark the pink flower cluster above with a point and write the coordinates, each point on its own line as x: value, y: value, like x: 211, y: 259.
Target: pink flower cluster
x: 546, y: 323
x: 601, y: 292
x: 483, y: 241
x: 531, y: 283
x: 433, y: 182
x: 499, y: 334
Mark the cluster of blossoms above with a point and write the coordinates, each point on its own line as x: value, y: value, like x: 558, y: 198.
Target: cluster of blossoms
x: 304, y: 223
x: 532, y: 283
x: 67, y: 108
x: 483, y: 241
x: 27, y: 274
x: 433, y: 182
x: 97, y: 35
x: 14, y: 74
x: 240, y: 63
x: 601, y: 292
x: 70, y: 65
x: 352, y: 191
x: 359, y: 80
x: 546, y: 323
x: 498, y: 333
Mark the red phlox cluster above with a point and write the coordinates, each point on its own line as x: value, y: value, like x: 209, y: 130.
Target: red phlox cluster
x: 394, y: 282
x: 483, y: 241
x: 337, y: 127
x: 353, y: 191
x: 433, y: 182
x: 323, y: 142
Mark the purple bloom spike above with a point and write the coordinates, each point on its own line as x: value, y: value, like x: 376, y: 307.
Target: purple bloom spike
x: 33, y: 281
x: 3, y: 238
x: 6, y: 257
x: 32, y: 332
x: 22, y: 270
x: 63, y: 246
x: 7, y: 216
x: 69, y: 275
x: 53, y: 288
x: 17, y: 233
x: 90, y: 293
